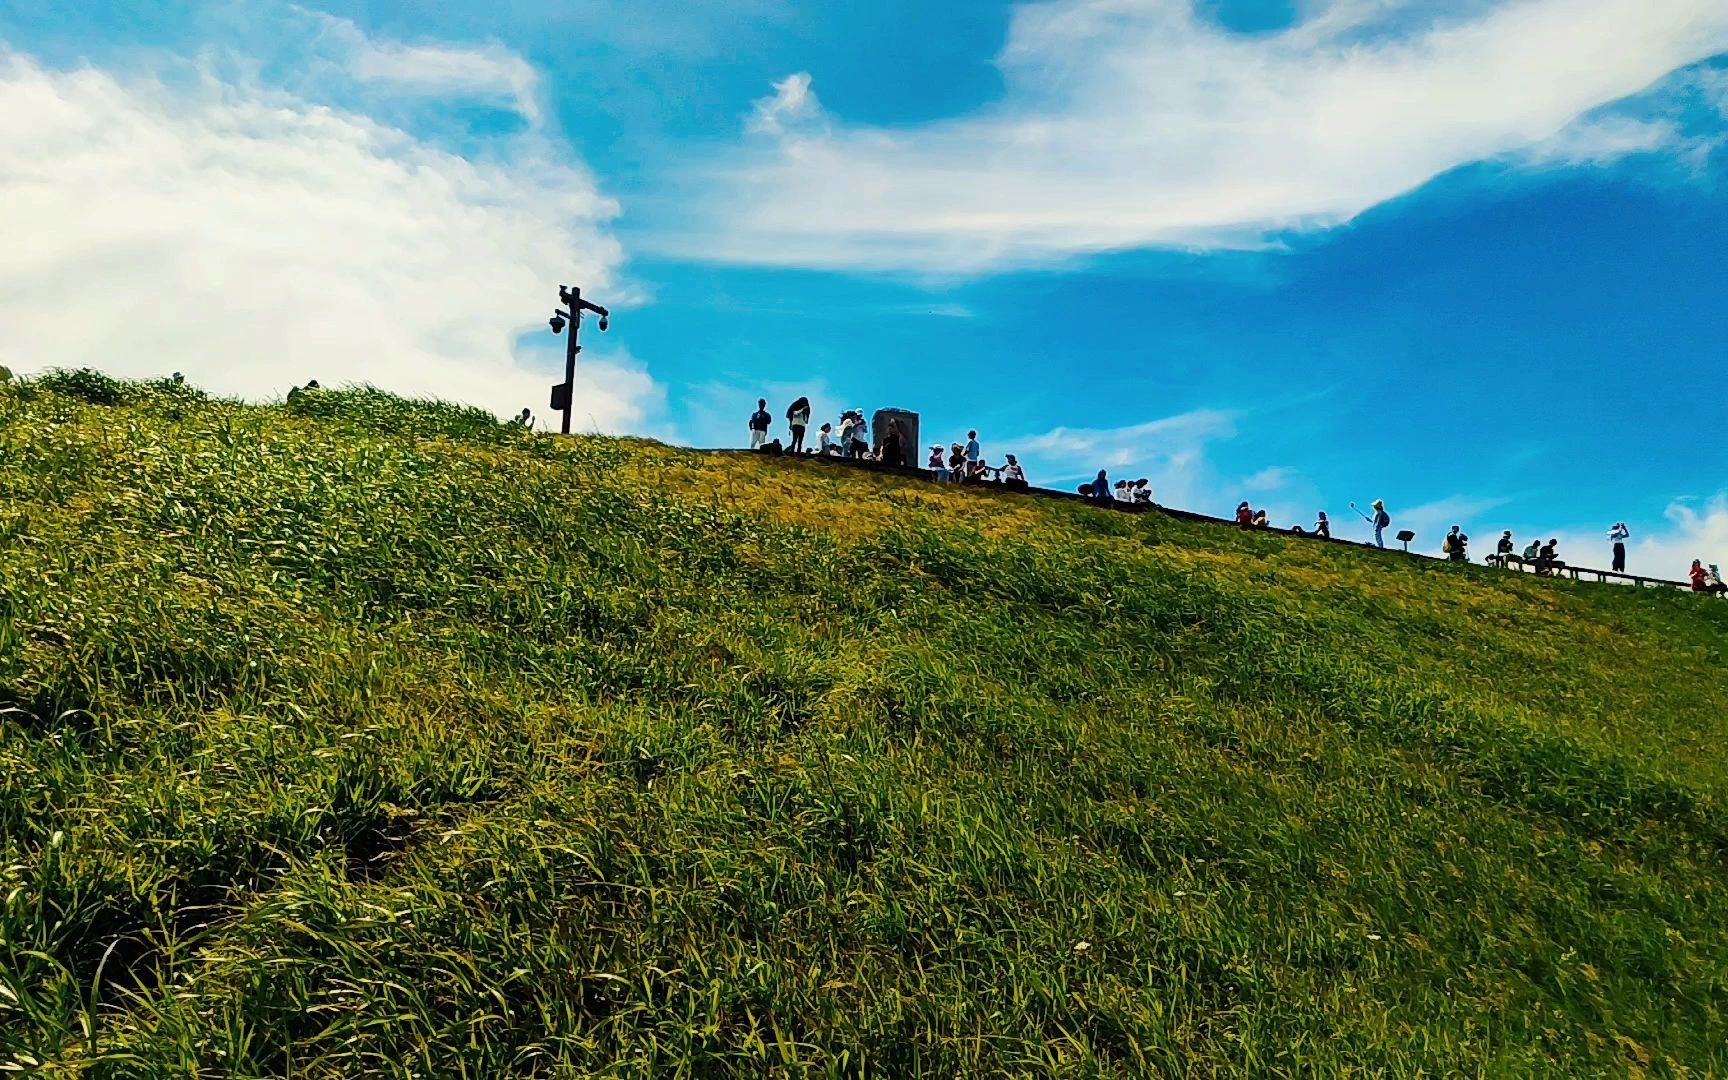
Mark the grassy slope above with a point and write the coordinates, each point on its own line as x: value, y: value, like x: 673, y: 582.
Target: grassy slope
x: 373, y: 736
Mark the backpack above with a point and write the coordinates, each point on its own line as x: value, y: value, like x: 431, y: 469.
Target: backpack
x: 1446, y: 545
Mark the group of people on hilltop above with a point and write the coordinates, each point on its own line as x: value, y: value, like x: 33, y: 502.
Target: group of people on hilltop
x: 963, y: 463
x: 850, y: 440
x: 966, y: 464
x: 960, y: 463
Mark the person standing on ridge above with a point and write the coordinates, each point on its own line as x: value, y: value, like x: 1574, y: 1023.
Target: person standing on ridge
x: 1455, y: 545
x: 760, y: 421
x: 973, y: 451
x: 798, y: 419
x: 892, y: 452
x: 1380, y: 520
x: 1618, y: 536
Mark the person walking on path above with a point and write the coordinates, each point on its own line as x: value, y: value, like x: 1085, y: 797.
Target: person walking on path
x: 798, y: 419
x: 760, y: 421
x: 1618, y: 536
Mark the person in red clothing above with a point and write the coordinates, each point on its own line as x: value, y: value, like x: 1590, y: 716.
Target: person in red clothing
x: 1245, y: 516
x: 1703, y: 580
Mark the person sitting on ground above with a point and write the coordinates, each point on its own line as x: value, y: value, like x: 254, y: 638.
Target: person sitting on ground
x: 1012, y: 474
x: 1455, y: 545
x: 1532, y: 552
x: 1323, y: 525
x: 798, y: 419
x: 759, y: 423
x: 957, y: 463
x: 825, y: 443
x: 1101, y: 492
x: 1120, y: 492
x: 1244, y: 515
x: 936, y: 465
x: 1143, y: 491
x: 1505, y: 547
x: 1261, y: 521
x: 1706, y: 581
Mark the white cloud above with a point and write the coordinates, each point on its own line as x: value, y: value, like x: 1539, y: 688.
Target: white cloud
x: 1133, y: 123
x: 793, y: 103
x: 1170, y: 452
x: 489, y: 72
x: 1273, y: 478
x: 1606, y: 139
x: 252, y: 240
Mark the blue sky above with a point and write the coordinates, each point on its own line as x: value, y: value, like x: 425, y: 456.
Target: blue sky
x: 1462, y: 256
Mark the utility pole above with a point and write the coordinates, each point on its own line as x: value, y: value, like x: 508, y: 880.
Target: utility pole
x: 571, y: 298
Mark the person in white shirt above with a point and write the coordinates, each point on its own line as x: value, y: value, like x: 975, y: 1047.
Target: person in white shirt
x: 797, y: 419
x: 825, y: 440
x: 1618, y: 536
x: 1012, y: 473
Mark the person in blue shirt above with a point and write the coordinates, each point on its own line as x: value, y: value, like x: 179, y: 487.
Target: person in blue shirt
x: 1101, y: 490
x: 973, y: 451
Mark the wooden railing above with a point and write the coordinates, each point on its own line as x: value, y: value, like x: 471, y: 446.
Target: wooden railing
x: 1513, y: 563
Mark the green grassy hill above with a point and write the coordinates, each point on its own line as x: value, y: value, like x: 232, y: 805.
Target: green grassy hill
x: 362, y: 735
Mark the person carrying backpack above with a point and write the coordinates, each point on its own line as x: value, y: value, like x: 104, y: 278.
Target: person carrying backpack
x: 1381, y: 520
x: 760, y: 421
x: 1455, y: 545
